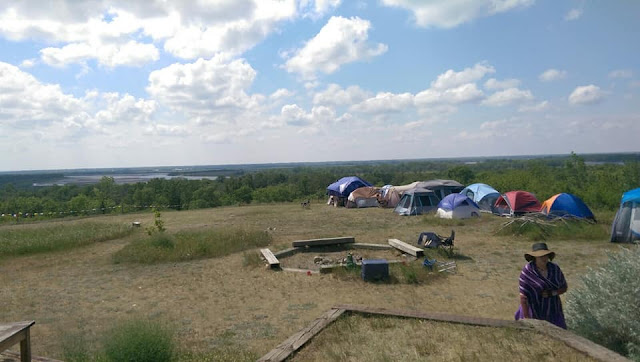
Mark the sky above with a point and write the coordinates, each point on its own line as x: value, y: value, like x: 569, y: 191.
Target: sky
x: 101, y: 84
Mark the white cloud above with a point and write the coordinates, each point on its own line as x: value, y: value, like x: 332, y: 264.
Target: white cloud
x: 318, y: 8
x: 24, y: 101
x: 452, y: 79
x: 587, y: 94
x: 167, y: 130
x: 292, y: 114
x: 507, y: 97
x: 464, y: 93
x: 340, y: 41
x: 126, y: 32
x: 281, y: 93
x: 205, y: 87
x: 621, y: 74
x: 125, y: 109
x: 538, y: 107
x: 573, y: 14
x: 385, y: 102
x: 493, y: 83
x: 449, y: 14
x: 550, y: 75
x: 111, y: 55
x: 336, y: 95
x: 28, y: 63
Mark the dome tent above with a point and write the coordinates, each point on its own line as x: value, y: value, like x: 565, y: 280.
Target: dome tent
x: 483, y: 195
x: 417, y: 201
x: 457, y: 206
x: 626, y: 225
x: 516, y: 203
x: 566, y: 205
x: 344, y: 186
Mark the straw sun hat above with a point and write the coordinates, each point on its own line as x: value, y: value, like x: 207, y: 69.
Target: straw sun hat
x: 539, y: 249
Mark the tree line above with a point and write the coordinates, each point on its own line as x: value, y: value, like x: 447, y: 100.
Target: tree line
x: 599, y: 185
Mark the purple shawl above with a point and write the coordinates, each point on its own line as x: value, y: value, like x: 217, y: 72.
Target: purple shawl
x: 532, y: 283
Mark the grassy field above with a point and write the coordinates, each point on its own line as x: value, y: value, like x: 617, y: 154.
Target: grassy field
x: 228, y: 306
x: 375, y: 338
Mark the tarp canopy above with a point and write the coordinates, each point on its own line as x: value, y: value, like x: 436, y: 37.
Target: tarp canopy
x: 482, y: 194
x: 417, y: 201
x: 517, y: 202
x: 564, y: 205
x: 442, y: 188
x: 345, y: 186
x: 626, y: 225
x: 366, y: 196
x: 457, y: 206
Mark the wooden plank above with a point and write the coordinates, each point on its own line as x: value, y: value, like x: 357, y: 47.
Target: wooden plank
x: 406, y: 248
x: 11, y: 356
x: 286, y: 252
x: 574, y: 341
x: 439, y: 317
x: 12, y: 333
x: 297, y: 270
x: 293, y: 343
x: 325, y: 241
x: 271, y: 259
x: 370, y: 246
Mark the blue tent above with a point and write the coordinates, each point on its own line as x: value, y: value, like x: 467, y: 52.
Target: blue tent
x: 345, y: 186
x: 483, y: 195
x: 452, y: 201
x: 457, y: 206
x: 626, y: 225
x: 566, y: 205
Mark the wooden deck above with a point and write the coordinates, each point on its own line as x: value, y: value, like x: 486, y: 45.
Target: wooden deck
x: 11, y: 356
x: 287, y: 348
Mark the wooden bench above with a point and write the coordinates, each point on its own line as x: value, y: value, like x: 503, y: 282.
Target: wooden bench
x: 406, y: 248
x: 13, y: 333
x: 325, y: 241
x: 271, y: 259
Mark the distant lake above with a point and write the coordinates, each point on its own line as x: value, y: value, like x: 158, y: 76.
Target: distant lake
x: 119, y: 179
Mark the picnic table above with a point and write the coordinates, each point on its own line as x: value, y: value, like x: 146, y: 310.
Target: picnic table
x: 13, y: 333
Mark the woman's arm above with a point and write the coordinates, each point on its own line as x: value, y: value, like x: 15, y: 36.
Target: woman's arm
x: 524, y: 305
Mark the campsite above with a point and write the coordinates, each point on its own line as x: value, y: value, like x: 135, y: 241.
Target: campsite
x: 231, y: 308
x: 197, y: 267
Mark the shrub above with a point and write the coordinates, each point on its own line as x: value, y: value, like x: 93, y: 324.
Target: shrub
x: 139, y: 340
x: 605, y: 308
x: 162, y: 240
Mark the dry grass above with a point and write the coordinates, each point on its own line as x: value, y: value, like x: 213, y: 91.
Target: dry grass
x: 228, y: 303
x: 377, y: 338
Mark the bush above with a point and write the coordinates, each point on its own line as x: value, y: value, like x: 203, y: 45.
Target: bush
x: 605, y: 308
x: 139, y: 340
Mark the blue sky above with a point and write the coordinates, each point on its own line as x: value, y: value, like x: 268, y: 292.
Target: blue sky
x: 120, y: 84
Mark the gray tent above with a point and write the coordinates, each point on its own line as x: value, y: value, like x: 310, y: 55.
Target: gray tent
x: 626, y: 225
x: 442, y: 188
x: 417, y: 201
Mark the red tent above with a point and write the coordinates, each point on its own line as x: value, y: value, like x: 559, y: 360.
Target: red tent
x: 517, y: 202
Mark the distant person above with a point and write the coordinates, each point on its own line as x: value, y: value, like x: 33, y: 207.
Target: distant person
x: 541, y: 284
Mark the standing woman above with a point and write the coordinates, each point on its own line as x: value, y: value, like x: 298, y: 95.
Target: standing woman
x: 541, y: 283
